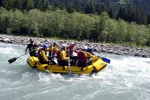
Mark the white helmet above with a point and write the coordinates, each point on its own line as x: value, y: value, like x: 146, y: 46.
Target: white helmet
x: 92, y: 46
x: 84, y: 47
x: 72, y: 42
x: 64, y: 45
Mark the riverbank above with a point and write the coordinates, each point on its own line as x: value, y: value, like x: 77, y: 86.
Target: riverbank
x: 107, y: 48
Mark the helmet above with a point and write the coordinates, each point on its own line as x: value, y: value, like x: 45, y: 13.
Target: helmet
x: 31, y: 40
x: 89, y: 49
x: 92, y: 47
x: 45, y: 46
x: 63, y: 46
x: 55, y: 43
x: 72, y: 42
x: 84, y: 47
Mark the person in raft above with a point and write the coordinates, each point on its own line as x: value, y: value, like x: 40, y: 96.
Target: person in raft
x: 42, y: 55
x: 62, y: 58
x: 32, y: 47
x: 52, y: 50
x: 70, y: 54
x: 84, y: 57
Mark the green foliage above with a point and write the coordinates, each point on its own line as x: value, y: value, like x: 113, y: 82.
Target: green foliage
x: 122, y: 2
x: 89, y: 8
x: 61, y: 24
x: 27, y: 5
x: 128, y: 10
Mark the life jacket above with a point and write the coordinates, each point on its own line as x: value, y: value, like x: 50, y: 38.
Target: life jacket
x: 39, y: 55
x: 81, y: 56
x: 58, y: 55
x: 52, y: 51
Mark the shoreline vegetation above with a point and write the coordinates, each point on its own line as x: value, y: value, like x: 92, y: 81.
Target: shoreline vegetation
x: 79, y: 26
x: 100, y: 47
x: 89, y: 27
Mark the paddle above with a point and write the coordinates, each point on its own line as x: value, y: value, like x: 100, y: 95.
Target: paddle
x: 104, y: 58
x: 15, y: 58
x: 51, y: 53
x: 69, y: 71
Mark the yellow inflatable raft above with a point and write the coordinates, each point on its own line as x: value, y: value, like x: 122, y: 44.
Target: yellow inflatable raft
x: 96, y: 66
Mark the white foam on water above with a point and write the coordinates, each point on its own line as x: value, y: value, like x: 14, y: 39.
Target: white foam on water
x: 123, y: 79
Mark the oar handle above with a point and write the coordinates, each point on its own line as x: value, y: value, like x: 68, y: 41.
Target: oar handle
x: 25, y: 53
x: 21, y: 55
x: 104, y: 58
x: 52, y: 51
x: 69, y: 71
x: 15, y: 58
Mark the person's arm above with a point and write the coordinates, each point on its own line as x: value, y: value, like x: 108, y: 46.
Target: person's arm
x: 50, y: 48
x: 36, y: 45
x: 76, y: 51
x: 26, y: 49
x: 44, y: 56
x: 71, y: 46
x: 55, y: 49
x: 90, y: 55
x: 63, y: 56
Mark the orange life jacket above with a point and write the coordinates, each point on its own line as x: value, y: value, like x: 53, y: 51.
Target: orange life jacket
x: 81, y: 56
x: 53, y: 50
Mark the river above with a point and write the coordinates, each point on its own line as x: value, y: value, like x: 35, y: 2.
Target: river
x: 125, y: 78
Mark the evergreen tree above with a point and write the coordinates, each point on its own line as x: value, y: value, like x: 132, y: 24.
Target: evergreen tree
x: 8, y: 4
x: 111, y: 13
x: 148, y: 19
x: 45, y: 5
x: 1, y: 3
x: 38, y: 4
x: 78, y: 7
x: 98, y: 9
x: 27, y: 5
x: 18, y: 4
x: 70, y: 8
x: 89, y: 8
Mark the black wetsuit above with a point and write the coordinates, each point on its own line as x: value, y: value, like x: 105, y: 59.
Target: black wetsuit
x: 31, y: 48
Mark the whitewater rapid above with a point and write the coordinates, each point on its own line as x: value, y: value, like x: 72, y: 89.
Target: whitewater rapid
x: 125, y: 78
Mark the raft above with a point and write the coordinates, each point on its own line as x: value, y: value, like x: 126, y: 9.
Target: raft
x: 96, y: 66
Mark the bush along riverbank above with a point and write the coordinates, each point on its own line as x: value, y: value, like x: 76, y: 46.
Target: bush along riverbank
x: 100, y: 47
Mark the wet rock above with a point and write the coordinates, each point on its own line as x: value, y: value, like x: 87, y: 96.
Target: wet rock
x: 107, y: 48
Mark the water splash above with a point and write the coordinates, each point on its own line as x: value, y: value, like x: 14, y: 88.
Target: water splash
x: 124, y: 78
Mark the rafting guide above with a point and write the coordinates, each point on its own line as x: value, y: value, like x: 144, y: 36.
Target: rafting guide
x: 32, y: 48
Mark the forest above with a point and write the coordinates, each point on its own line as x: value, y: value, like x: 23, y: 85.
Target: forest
x: 42, y: 18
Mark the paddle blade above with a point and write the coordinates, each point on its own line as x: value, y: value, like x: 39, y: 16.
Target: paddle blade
x: 12, y: 60
x: 106, y: 60
x: 69, y: 72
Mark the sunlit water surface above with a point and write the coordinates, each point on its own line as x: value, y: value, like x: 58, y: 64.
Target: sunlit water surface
x: 125, y: 78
